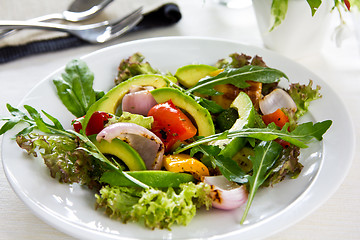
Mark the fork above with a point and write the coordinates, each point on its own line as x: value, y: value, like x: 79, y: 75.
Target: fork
x: 94, y: 33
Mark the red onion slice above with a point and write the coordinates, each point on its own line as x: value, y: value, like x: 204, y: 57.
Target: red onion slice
x: 138, y: 102
x: 278, y: 98
x: 226, y: 195
x: 146, y: 143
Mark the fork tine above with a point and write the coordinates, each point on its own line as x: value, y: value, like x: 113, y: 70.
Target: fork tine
x: 136, y: 12
x: 120, y: 26
x: 125, y: 24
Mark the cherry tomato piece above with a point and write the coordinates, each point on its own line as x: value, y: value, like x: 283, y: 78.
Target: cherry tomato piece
x: 77, y: 125
x: 95, y: 125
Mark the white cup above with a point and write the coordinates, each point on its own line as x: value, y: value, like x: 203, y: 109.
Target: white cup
x: 300, y: 34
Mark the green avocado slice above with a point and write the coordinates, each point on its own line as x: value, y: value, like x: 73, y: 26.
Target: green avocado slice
x: 153, y: 178
x: 199, y: 114
x: 122, y: 150
x: 112, y: 99
x: 190, y: 75
x: 246, y: 112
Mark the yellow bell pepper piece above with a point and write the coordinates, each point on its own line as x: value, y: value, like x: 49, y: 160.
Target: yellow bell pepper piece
x: 185, y: 163
x: 216, y: 72
x: 229, y: 91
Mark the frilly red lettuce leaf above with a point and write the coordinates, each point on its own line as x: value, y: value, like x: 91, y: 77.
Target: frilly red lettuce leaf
x: 287, y: 165
x: 61, y: 155
x: 132, y: 66
x: 302, y: 96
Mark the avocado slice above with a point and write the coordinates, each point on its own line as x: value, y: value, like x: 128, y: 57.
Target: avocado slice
x: 121, y: 150
x: 153, y: 178
x: 190, y: 75
x: 246, y: 112
x: 199, y: 114
x: 112, y: 99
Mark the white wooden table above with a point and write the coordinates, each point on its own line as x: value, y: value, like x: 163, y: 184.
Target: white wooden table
x: 338, y: 218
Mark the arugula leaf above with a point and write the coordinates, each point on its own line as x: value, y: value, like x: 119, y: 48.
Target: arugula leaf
x: 266, y: 154
x: 210, y: 105
x: 35, y: 115
x: 18, y: 116
x: 34, y: 121
x: 229, y: 168
x: 56, y: 122
x: 75, y: 88
x: 237, y: 77
x: 208, y: 154
x: 307, y: 131
x: 299, y: 137
x: 278, y: 11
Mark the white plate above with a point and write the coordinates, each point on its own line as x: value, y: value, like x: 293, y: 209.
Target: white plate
x: 71, y: 208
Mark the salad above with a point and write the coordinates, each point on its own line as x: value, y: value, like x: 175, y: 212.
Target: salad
x: 158, y: 146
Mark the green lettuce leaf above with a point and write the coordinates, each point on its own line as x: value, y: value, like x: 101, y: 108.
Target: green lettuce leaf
x: 156, y: 208
x: 140, y: 120
x: 75, y: 88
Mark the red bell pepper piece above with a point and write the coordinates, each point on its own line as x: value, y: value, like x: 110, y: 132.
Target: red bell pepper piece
x: 280, y: 119
x: 171, y: 124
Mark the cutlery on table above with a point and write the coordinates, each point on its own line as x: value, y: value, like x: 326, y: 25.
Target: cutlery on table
x: 79, y: 10
x: 93, y: 33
